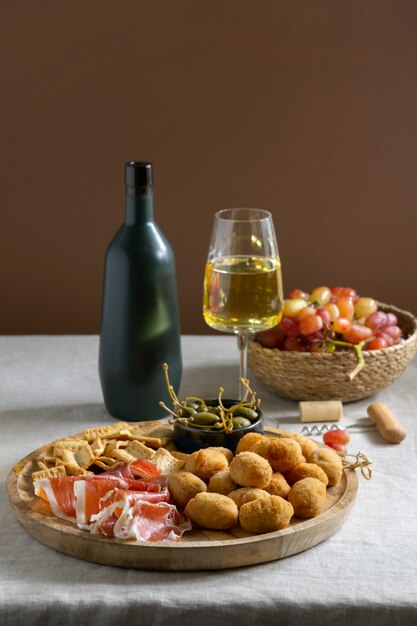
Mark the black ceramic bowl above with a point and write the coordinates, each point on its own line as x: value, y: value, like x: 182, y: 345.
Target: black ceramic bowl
x: 189, y: 439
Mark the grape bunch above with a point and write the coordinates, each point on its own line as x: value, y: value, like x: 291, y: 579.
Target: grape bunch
x: 331, y: 319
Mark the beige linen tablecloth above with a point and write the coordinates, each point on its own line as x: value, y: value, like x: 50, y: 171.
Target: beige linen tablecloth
x: 363, y: 575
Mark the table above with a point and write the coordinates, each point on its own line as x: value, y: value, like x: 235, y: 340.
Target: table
x: 363, y: 575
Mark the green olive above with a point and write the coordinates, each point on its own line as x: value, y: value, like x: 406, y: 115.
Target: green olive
x: 245, y: 411
x: 240, y: 422
x: 205, y: 419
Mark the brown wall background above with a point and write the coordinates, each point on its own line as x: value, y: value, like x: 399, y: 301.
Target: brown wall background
x: 306, y: 108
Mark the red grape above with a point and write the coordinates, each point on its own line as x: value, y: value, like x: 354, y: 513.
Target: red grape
x: 364, y: 307
x: 336, y: 446
x: 289, y: 327
x: 389, y: 340
x: 346, y: 308
x: 311, y: 324
x: 308, y: 310
x: 293, y: 307
x: 341, y: 325
x: 325, y: 315
x: 272, y: 338
x: 393, y: 331
x: 376, y: 344
x: 336, y: 436
x: 321, y: 295
x: 344, y: 292
x: 392, y: 319
x: 293, y: 344
x: 332, y: 309
x: 314, y: 337
x: 376, y: 320
x: 297, y: 293
x: 357, y: 333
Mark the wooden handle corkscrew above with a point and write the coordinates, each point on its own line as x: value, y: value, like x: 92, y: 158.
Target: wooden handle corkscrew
x: 386, y: 424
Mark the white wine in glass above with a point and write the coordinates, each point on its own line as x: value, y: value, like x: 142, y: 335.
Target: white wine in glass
x: 243, y: 281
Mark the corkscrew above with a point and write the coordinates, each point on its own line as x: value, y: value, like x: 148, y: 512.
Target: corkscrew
x: 319, y: 430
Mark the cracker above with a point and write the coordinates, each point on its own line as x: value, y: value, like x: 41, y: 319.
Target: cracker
x: 139, y: 451
x: 103, y: 431
x: 106, y: 466
x: 97, y: 446
x: 68, y: 444
x: 84, y: 456
x: 166, y: 462
x: 73, y: 469
x: 112, y: 445
x: 151, y: 442
x: 106, y: 460
x: 51, y: 472
x: 137, y: 431
x: 52, y: 460
x: 81, y: 458
x: 124, y: 456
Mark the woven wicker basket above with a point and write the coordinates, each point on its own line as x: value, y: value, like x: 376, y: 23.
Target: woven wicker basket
x: 324, y: 376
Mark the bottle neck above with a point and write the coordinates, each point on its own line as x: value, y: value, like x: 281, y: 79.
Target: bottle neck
x: 139, y: 205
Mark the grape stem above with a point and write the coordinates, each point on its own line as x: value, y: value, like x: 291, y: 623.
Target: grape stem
x: 359, y: 355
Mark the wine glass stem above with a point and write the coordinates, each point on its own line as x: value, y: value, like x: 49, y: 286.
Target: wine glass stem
x: 242, y: 342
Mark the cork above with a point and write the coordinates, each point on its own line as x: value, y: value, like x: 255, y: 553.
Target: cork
x: 321, y: 411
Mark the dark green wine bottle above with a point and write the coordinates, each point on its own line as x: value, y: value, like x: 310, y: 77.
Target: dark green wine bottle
x: 140, y: 323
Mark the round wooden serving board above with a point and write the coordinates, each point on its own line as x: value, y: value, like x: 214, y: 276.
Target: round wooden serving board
x: 198, y: 549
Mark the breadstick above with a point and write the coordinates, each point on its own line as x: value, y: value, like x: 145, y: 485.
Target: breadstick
x: 387, y: 425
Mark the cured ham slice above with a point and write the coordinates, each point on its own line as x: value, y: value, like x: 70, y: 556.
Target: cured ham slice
x: 130, y: 502
x: 130, y: 473
x: 60, y: 491
x: 93, y: 495
x: 131, y: 518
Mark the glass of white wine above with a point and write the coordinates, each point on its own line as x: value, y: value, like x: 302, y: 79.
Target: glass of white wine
x: 242, y: 280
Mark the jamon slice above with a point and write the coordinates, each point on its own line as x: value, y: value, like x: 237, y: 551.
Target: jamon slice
x: 130, y: 473
x: 59, y: 492
x: 141, y: 475
x: 130, y: 518
x: 93, y: 495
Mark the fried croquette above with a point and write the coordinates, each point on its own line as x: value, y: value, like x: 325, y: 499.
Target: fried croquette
x: 306, y: 470
x: 205, y: 463
x: 265, y: 515
x: 227, y: 453
x: 282, y: 453
x: 308, y: 497
x: 183, y: 486
x: 308, y: 446
x: 330, y: 462
x: 247, y: 442
x: 247, y: 494
x: 222, y: 482
x: 212, y: 510
x: 278, y: 486
x: 250, y: 470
